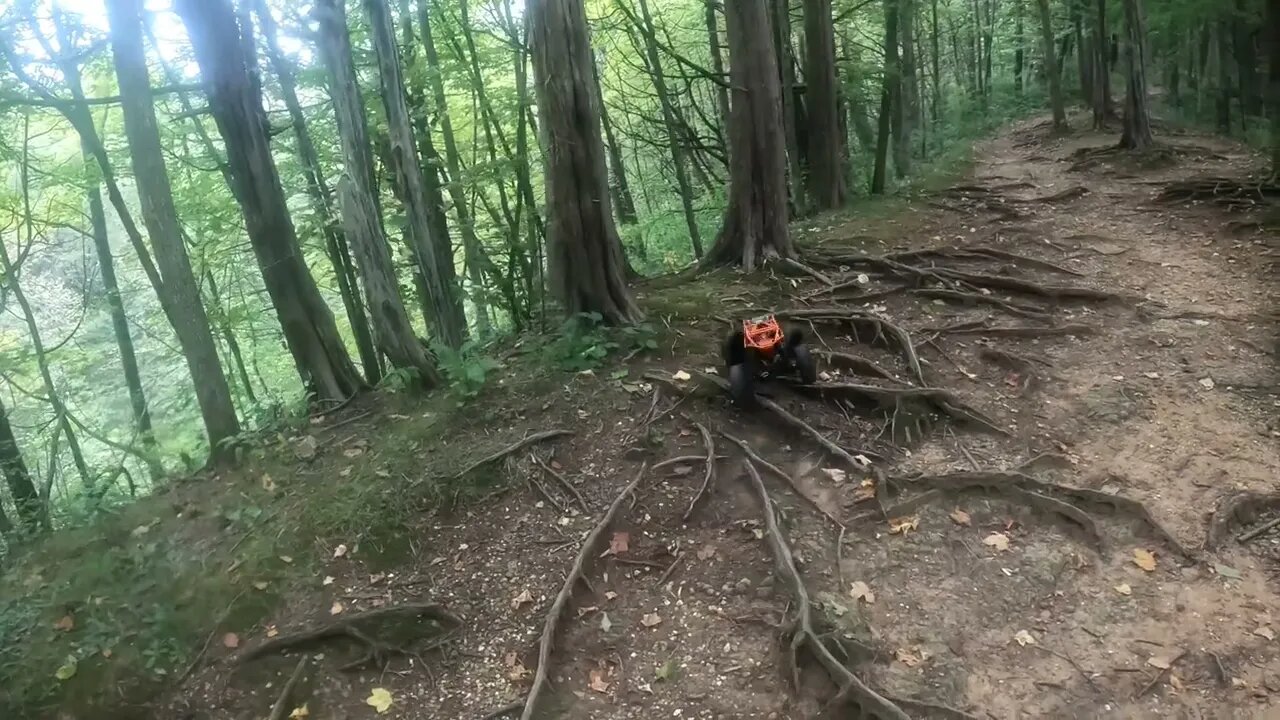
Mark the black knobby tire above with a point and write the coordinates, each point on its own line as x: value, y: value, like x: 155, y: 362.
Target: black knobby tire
x: 742, y: 385
x: 806, y: 366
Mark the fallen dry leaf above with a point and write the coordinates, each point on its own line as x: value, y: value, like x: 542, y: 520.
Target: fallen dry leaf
x: 620, y: 543
x: 231, y: 641
x: 999, y: 541
x: 861, y: 591
x: 260, y: 585
x: 336, y: 608
x: 960, y: 517
x: 286, y: 559
x: 610, y: 595
x: 328, y: 580
x: 650, y: 620
x: 1024, y: 638
x: 272, y: 631
x: 66, y: 623
x: 268, y: 484
x: 681, y: 470
x: 902, y: 526
x: 1159, y: 662
x: 681, y: 376
x: 1124, y: 589
x: 836, y: 475
x: 300, y: 712
x: 1265, y: 632
x: 911, y: 657
x: 522, y: 599
x: 353, y: 452
x: 605, y: 623
x: 1175, y: 682
x: 863, y: 494
x: 380, y: 700
x: 706, y: 552
x: 1144, y: 559
x: 340, y: 551
x: 598, y: 683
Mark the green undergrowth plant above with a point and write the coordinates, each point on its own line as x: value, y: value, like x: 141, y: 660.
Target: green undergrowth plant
x: 585, y: 342
x: 465, y: 369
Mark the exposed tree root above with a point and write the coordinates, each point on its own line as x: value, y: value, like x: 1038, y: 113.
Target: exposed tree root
x: 878, y: 328
x: 968, y: 298
x: 551, y: 628
x: 1011, y: 360
x: 1018, y: 332
x: 804, y: 635
x: 798, y: 424
x: 858, y: 365
x: 1231, y: 193
x: 682, y: 459
x: 999, y: 254
x: 1241, y: 508
x: 900, y: 400
x: 798, y: 266
x: 356, y: 627
x: 285, y: 703
x: 710, y: 473
x: 1026, y: 287
x: 1067, y: 195
x: 1004, y: 481
x: 783, y: 475
x: 564, y: 483
x: 514, y: 447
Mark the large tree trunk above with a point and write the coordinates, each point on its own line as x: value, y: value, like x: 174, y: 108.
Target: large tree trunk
x: 784, y: 59
x: 755, y: 223
x: 151, y: 177
x: 1137, y: 121
x: 434, y: 254
x: 717, y: 64
x: 23, y: 490
x: 318, y: 188
x: 225, y: 52
x: 361, y: 218
x: 624, y: 203
x: 1103, y: 109
x: 584, y: 252
x: 826, y: 142
x: 1273, y: 85
x: 649, y: 31
x: 1056, y: 102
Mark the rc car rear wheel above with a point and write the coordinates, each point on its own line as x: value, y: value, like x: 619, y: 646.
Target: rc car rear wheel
x: 742, y: 385
x: 806, y: 367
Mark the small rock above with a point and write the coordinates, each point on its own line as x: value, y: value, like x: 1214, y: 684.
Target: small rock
x: 1206, y: 383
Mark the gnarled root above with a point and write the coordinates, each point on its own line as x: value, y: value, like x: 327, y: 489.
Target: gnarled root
x: 1240, y: 508
x: 360, y: 628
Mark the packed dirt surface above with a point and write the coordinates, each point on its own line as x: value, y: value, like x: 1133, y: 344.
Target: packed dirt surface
x: 1030, y: 540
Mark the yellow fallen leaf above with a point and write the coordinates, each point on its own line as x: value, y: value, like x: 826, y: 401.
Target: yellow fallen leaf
x: 268, y: 484
x: 650, y: 620
x: 380, y: 700
x: 1144, y: 559
x: 337, y: 608
x: 861, y: 591
x: 864, y: 494
x: 681, y: 376
x: 902, y: 526
x: 272, y: 631
x: 598, y: 683
x: 999, y: 541
x: 1024, y: 638
x: 299, y: 713
x: 910, y: 657
x: 1124, y: 589
x: 960, y: 517
x: 1175, y: 682
x: 67, y: 670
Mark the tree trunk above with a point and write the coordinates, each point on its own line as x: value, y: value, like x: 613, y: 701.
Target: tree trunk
x: 1137, y: 121
x: 584, y: 251
x: 227, y: 58
x: 1103, y: 109
x: 1083, y: 56
x: 318, y: 188
x: 1224, y: 76
x: 26, y: 499
x: 624, y: 203
x: 1051, y: 68
x: 151, y: 177
x: 755, y: 222
x: 904, y: 113
x: 1020, y: 41
x: 1273, y: 40
x: 826, y: 142
x: 888, y: 98
x: 854, y: 104
x: 784, y: 59
x: 893, y: 76
x: 717, y: 65
x: 392, y: 330
x: 936, y: 58
x: 434, y: 254
x: 1247, y: 62
x: 649, y: 31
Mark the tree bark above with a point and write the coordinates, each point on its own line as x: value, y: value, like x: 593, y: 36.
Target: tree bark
x: 1083, y: 53
x: 755, y: 222
x: 907, y: 91
x: 888, y: 98
x: 624, y: 203
x: 717, y: 64
x: 649, y: 31
x: 320, y: 192
x: 1019, y: 42
x: 936, y: 59
x: 151, y: 177
x: 585, y: 254
x: 434, y: 254
x: 826, y: 142
x: 1223, y: 97
x: 1137, y: 120
x: 1102, y: 103
x: 893, y: 75
x: 226, y: 55
x: 1247, y: 61
x: 1056, y: 102
x: 26, y: 499
x: 392, y: 330
x: 1273, y: 84
x: 784, y: 58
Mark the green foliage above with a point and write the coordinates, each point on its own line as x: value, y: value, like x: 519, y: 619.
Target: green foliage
x: 465, y: 369
x: 585, y: 342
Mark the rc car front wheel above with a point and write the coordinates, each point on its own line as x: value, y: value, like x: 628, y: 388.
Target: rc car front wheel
x: 806, y: 367
x: 742, y: 386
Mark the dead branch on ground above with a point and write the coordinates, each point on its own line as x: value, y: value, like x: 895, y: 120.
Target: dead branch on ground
x: 898, y: 400
x: 969, y: 298
x: 353, y: 627
x: 514, y: 447
x: 710, y: 472
x: 783, y: 475
x: 564, y: 482
x: 859, y: 365
x: 550, y: 629
x: 798, y: 266
x: 1013, y: 331
x: 284, y: 704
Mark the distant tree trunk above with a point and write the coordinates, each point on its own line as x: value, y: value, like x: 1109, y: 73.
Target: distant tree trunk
x: 586, y: 262
x: 1083, y: 55
x: 1020, y: 42
x: 151, y: 176
x: 649, y: 32
x: 1103, y: 109
x: 826, y: 142
x: 1051, y: 68
x: 893, y: 75
x: 26, y: 499
x: 225, y: 52
x: 717, y: 64
x: 1137, y: 121
x: 853, y: 101
x: 120, y: 324
x: 989, y: 43
x: 1223, y: 105
x: 784, y: 58
x: 229, y: 336
x: 318, y: 188
x: 1273, y: 40
x: 392, y: 330
x: 904, y: 114
x: 1247, y: 61
x: 936, y: 59
x: 888, y: 97
x: 622, y: 200
x: 434, y: 254
x: 755, y: 222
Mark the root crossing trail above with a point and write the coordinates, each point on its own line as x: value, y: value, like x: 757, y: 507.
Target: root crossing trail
x: 1037, y: 388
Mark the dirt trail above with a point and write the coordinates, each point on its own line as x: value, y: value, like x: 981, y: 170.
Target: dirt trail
x: 1168, y: 397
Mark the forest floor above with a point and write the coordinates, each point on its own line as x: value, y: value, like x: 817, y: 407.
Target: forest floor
x: 1053, y: 534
